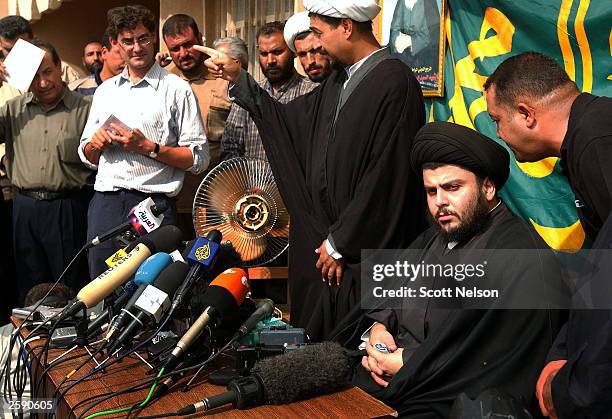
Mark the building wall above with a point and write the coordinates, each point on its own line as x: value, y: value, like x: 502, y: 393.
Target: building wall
x: 78, y: 22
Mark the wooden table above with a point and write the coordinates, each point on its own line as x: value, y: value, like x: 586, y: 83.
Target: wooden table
x: 352, y: 402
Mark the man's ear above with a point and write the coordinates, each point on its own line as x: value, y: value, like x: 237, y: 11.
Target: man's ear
x: 489, y: 189
x: 347, y: 27
x: 528, y: 114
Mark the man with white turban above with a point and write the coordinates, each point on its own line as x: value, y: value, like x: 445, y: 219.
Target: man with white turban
x: 340, y: 159
x: 307, y: 47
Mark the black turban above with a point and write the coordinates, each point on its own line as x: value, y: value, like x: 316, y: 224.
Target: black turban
x: 445, y: 142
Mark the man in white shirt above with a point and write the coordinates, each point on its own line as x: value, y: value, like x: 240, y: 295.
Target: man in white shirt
x: 162, y: 136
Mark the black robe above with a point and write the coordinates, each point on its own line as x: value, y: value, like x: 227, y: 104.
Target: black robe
x: 347, y: 177
x: 450, y: 351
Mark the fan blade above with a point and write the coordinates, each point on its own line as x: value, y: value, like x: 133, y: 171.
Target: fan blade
x: 248, y: 246
x: 224, y: 188
x: 199, y: 221
x: 281, y: 227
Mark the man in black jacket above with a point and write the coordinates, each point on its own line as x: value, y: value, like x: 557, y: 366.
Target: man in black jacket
x: 540, y: 113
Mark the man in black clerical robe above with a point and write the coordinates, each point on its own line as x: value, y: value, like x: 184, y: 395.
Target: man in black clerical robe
x: 340, y: 158
x: 440, y: 351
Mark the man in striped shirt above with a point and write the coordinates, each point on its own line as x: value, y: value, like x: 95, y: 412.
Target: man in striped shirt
x: 241, y: 137
x: 162, y: 137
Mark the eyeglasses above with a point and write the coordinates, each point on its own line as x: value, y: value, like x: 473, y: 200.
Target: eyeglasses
x: 143, y: 41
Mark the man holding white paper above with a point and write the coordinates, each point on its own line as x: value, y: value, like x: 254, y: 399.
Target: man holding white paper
x: 41, y: 130
x: 157, y: 133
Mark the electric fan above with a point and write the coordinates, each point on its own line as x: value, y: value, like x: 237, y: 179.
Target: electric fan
x: 239, y: 198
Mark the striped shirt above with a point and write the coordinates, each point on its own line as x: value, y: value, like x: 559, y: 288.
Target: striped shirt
x: 241, y: 137
x: 166, y: 110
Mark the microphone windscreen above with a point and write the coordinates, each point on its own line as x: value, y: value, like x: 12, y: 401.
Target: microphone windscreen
x: 151, y: 268
x: 214, y: 236
x: 227, y: 291
x: 305, y: 373
x: 159, y: 207
x: 170, y: 278
x: 164, y: 239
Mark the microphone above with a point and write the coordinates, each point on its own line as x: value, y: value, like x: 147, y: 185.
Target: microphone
x: 145, y: 275
x: 153, y: 302
x: 202, y: 258
x: 323, y: 368
x: 265, y: 308
x: 144, y: 218
x: 164, y: 239
x: 222, y: 298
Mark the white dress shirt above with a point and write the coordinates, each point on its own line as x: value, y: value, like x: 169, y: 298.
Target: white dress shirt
x: 165, y: 109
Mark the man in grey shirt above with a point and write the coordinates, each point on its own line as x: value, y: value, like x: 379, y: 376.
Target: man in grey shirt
x: 41, y: 130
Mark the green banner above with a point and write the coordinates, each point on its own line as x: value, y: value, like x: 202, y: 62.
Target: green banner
x: 482, y: 34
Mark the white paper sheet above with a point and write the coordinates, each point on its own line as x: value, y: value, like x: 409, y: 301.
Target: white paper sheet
x: 22, y: 63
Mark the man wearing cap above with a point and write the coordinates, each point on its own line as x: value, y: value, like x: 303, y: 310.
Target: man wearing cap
x: 437, y: 353
x: 339, y: 155
x: 307, y: 47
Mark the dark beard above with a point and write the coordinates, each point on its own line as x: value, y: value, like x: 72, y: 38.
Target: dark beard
x: 285, y: 74
x: 472, y: 222
x: 318, y: 78
x: 92, y: 68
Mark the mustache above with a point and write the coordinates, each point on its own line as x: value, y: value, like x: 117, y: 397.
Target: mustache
x: 445, y: 211
x: 314, y: 67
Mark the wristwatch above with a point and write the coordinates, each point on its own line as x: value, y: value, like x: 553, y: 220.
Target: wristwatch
x: 153, y: 154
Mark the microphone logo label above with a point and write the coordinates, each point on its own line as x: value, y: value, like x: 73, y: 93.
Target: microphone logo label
x: 143, y: 216
x: 203, y: 252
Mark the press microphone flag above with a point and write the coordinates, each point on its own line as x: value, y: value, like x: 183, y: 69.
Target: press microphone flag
x: 164, y: 239
x: 143, y: 218
x: 222, y: 298
x: 146, y: 274
x: 153, y: 302
x: 201, y: 258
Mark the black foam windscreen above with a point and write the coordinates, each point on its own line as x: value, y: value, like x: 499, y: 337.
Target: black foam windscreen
x: 164, y: 239
x: 214, y: 236
x: 305, y: 373
x: 221, y: 299
x: 171, y: 277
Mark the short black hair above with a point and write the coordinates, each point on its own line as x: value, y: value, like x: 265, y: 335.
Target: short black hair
x: 527, y: 75
x: 124, y: 18
x: 12, y: 26
x: 270, y: 28
x: 176, y: 24
x: 61, y: 293
x: 334, y: 22
x: 47, y: 46
x: 106, y: 43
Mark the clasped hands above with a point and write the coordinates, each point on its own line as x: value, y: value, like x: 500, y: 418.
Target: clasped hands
x: 130, y: 140
x: 382, y: 366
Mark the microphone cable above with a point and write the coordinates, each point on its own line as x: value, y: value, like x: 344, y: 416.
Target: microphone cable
x: 6, y: 369
x: 107, y: 363
x: 129, y: 409
x: 137, y: 387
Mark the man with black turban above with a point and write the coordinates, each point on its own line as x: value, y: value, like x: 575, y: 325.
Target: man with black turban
x: 438, y: 349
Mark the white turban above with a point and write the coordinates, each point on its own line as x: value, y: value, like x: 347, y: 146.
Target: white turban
x: 295, y: 25
x: 358, y: 10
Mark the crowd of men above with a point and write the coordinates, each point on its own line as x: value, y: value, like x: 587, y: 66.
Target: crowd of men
x: 357, y: 168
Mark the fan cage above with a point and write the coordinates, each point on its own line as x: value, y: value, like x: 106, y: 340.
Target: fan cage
x: 239, y: 198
